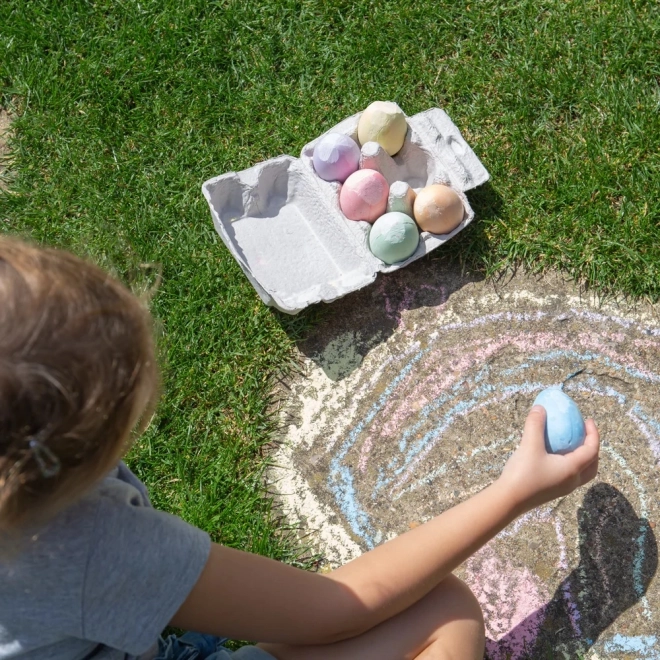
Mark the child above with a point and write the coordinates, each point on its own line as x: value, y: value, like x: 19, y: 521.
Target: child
x: 88, y: 570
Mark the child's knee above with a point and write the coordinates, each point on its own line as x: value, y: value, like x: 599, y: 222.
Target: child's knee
x: 474, y: 608
x: 465, y: 603
x: 463, y: 636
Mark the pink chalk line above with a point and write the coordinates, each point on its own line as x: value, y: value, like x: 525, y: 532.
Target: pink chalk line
x: 512, y: 599
x: 397, y: 408
x: 431, y: 444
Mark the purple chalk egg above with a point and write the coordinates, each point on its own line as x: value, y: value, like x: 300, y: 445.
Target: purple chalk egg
x: 336, y: 157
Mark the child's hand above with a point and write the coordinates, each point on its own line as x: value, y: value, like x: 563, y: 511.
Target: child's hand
x: 533, y: 476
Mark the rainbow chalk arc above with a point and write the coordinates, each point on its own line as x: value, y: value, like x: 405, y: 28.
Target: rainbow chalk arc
x: 390, y: 437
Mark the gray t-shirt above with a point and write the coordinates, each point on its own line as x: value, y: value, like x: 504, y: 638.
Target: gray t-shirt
x: 101, y: 580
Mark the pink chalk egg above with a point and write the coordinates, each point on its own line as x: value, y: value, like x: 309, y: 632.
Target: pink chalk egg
x: 336, y: 156
x: 364, y: 195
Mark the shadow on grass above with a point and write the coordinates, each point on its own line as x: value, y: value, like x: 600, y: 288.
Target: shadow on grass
x: 339, y: 335
x: 618, y: 559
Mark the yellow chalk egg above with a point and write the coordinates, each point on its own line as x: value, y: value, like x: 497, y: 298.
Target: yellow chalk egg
x: 438, y: 209
x: 385, y: 123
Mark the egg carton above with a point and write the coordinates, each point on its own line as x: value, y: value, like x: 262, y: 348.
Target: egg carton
x: 283, y: 225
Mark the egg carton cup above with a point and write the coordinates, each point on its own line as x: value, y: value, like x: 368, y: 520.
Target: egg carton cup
x: 283, y: 225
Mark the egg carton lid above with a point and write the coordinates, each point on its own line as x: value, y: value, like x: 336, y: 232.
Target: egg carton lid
x: 283, y: 225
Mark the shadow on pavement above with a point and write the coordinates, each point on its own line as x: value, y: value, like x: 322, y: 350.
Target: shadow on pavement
x: 618, y: 559
x: 339, y: 335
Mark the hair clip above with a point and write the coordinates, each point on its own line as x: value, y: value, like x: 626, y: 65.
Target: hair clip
x: 48, y: 463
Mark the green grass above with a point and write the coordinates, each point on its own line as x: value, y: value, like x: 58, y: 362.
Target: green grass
x: 125, y: 108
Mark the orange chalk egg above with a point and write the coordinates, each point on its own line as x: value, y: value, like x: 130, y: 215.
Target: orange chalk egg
x: 438, y: 209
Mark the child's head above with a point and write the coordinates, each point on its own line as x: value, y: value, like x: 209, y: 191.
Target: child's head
x: 77, y: 372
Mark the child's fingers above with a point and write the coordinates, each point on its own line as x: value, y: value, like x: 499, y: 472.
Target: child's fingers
x: 534, y: 430
x: 592, y: 443
x: 587, y: 453
x: 589, y: 450
x: 593, y: 437
x: 589, y: 472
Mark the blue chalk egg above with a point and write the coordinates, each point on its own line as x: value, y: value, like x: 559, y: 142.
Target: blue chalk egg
x: 564, y: 429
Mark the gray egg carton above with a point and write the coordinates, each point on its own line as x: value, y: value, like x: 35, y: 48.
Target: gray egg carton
x: 284, y: 226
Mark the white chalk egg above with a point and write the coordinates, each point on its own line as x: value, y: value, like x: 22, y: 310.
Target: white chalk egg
x: 393, y: 237
x: 564, y: 430
x: 385, y: 123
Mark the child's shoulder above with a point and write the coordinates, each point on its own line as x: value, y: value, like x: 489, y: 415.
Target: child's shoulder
x: 106, y: 566
x: 107, y: 521
x: 70, y: 533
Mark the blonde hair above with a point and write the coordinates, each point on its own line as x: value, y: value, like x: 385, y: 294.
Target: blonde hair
x: 77, y: 374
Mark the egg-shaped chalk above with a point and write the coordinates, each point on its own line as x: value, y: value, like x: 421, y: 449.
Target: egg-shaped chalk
x: 336, y: 156
x: 438, y: 209
x: 364, y: 195
x: 393, y: 237
x: 564, y: 427
x: 401, y: 198
x: 385, y: 123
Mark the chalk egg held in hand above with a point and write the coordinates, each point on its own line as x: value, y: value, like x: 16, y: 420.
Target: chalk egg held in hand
x: 385, y: 123
x: 438, y: 209
x: 564, y: 427
x: 393, y: 237
x: 364, y: 195
x: 336, y: 157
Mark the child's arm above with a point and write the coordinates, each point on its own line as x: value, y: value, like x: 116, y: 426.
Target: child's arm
x: 250, y: 597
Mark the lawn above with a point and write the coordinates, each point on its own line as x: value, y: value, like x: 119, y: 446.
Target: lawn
x: 123, y: 108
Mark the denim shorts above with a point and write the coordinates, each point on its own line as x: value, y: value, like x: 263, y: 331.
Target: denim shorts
x: 195, y: 646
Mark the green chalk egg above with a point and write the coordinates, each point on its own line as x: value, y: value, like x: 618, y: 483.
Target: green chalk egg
x: 393, y: 237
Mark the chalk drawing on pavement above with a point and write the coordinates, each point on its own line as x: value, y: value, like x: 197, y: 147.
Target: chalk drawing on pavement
x: 429, y: 417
